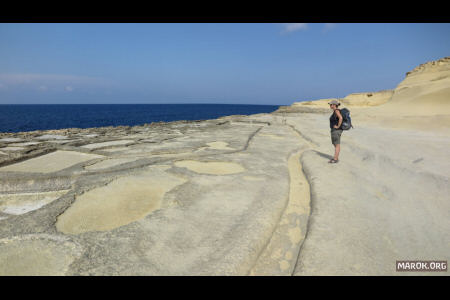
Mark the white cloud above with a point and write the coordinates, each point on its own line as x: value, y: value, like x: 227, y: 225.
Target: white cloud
x: 291, y: 27
x: 49, y: 79
x: 50, y: 82
x: 329, y: 26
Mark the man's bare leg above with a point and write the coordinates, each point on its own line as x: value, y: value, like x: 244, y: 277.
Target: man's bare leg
x: 337, y: 149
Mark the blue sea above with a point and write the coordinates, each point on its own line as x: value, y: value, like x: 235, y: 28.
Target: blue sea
x: 15, y: 118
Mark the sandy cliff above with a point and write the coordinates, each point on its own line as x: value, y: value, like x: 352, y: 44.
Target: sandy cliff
x: 424, y: 91
x: 355, y: 100
x: 421, y: 101
x: 367, y: 99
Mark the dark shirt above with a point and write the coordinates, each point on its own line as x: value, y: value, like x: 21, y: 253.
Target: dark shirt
x: 334, y: 120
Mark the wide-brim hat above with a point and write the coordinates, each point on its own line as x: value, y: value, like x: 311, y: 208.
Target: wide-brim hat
x: 335, y: 102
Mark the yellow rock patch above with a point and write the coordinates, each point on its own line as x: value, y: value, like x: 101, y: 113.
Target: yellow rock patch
x: 272, y: 136
x: 215, y: 167
x: 295, y: 235
x: 109, y: 163
x: 284, y: 265
x: 288, y: 255
x: 253, y: 178
x: 36, y: 256
x: 119, y: 203
x: 219, y: 145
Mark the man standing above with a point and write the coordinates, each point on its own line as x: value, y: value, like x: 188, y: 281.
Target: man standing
x: 336, y: 130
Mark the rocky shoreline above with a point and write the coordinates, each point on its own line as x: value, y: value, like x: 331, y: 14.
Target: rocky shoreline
x: 18, y: 146
x: 78, y: 187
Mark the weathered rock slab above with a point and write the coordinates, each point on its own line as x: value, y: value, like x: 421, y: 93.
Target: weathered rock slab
x: 51, y: 162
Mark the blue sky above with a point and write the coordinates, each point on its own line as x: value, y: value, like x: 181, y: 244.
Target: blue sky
x: 249, y: 63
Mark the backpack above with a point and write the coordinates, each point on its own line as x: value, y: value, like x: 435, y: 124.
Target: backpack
x: 346, y: 120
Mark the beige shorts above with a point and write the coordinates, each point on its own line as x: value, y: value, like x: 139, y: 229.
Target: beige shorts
x: 336, y: 136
